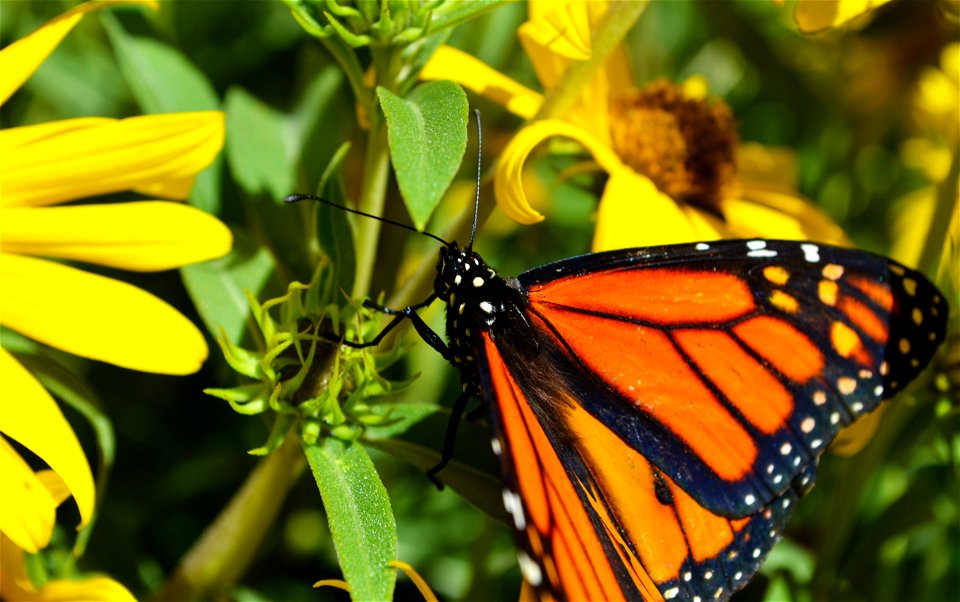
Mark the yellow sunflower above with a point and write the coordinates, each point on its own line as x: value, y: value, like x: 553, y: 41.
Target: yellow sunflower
x: 676, y: 171
x: 77, y: 311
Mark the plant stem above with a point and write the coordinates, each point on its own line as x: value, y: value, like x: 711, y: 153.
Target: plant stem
x: 222, y: 554
x: 376, y: 170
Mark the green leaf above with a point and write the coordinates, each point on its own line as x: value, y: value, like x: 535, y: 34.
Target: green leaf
x: 361, y: 521
x: 319, y: 119
x: 260, y: 147
x: 427, y: 135
x: 217, y: 286
x: 160, y: 77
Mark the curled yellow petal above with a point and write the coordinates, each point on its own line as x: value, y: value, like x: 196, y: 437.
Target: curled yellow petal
x: 20, y: 59
x: 816, y: 15
x: 633, y: 213
x: 508, y: 181
x: 29, y: 510
x: 32, y: 418
x: 455, y: 65
x: 418, y: 581
x: 75, y: 160
x: 97, y: 317
x: 143, y: 236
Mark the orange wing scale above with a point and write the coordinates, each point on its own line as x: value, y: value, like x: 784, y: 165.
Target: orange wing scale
x: 660, y: 382
x: 663, y: 296
x: 738, y: 376
x: 783, y: 346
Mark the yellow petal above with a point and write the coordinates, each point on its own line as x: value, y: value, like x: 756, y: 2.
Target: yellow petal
x: 93, y: 589
x: 32, y: 418
x: 762, y: 167
x: 103, y: 156
x: 97, y: 317
x: 28, y: 510
x: 767, y: 214
x: 143, y: 236
x: 54, y: 485
x: 508, y: 181
x: 817, y: 15
x: 14, y: 583
x: 449, y: 63
x: 554, y: 39
x: 633, y: 213
x: 20, y: 59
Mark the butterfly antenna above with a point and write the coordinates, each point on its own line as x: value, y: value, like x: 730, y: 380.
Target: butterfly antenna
x: 476, y: 201
x: 293, y: 198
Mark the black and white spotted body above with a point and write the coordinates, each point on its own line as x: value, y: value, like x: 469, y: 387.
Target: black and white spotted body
x: 476, y: 298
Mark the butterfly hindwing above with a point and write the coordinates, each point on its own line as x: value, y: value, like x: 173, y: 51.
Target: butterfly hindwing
x: 595, y: 519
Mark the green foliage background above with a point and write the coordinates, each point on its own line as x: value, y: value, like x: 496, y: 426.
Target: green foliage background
x: 879, y: 525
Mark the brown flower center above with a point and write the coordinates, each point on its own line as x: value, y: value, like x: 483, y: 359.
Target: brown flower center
x: 686, y: 146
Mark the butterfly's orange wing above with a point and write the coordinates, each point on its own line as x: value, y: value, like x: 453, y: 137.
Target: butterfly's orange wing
x: 658, y: 412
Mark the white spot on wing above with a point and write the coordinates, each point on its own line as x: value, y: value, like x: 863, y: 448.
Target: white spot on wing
x: 530, y: 569
x: 513, y: 505
x: 754, y: 245
x: 477, y: 282
x: 811, y: 252
x: 702, y: 246
x: 671, y: 593
x: 486, y: 306
x: 762, y: 253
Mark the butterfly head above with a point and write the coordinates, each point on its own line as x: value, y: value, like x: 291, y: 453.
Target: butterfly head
x: 460, y: 273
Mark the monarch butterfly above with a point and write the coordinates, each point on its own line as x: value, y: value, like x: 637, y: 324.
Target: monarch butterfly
x: 657, y: 411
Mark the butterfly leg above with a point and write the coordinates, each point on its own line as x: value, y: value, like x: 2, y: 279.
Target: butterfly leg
x: 399, y: 315
x: 456, y: 414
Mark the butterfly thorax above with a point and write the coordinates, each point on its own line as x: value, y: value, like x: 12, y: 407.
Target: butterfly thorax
x: 475, y: 296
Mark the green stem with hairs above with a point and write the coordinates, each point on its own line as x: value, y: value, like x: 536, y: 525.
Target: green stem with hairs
x: 221, y: 556
x: 376, y: 171
x: 609, y: 32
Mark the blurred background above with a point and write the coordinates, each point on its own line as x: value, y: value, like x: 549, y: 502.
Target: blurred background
x: 852, y: 106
